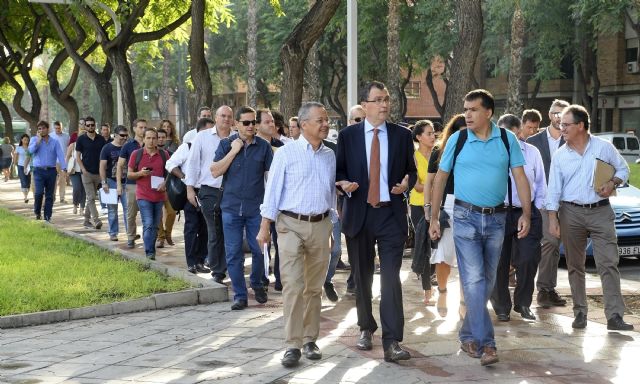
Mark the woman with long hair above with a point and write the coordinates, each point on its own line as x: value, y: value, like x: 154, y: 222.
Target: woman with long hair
x: 173, y: 141
x: 444, y: 253
x: 21, y: 158
x: 75, y: 175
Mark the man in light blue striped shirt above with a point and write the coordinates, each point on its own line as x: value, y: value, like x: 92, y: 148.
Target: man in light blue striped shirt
x: 578, y: 209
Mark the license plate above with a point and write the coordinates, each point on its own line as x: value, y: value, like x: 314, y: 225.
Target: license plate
x: 629, y: 251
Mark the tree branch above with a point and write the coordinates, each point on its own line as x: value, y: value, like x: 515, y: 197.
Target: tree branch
x: 158, y: 34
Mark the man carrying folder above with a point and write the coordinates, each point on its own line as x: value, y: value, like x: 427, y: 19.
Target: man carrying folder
x: 578, y: 208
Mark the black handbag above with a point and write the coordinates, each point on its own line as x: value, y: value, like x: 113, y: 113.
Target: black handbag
x: 176, y: 192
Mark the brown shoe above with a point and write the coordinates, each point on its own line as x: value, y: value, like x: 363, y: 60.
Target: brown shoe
x: 489, y: 356
x: 470, y: 348
x: 170, y: 241
x: 160, y: 244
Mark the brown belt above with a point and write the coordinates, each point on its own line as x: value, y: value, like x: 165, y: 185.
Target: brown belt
x: 311, y: 219
x: 600, y: 203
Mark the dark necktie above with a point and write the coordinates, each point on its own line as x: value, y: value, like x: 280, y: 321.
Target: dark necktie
x: 373, y: 197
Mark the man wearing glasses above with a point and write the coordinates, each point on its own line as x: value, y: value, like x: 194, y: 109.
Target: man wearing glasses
x: 548, y: 141
x: 88, y: 148
x: 356, y: 114
x: 108, y: 174
x: 577, y: 210
x: 46, y: 152
x: 245, y: 161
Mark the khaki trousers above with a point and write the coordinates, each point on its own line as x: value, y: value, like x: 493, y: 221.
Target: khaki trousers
x: 132, y: 211
x: 575, y: 225
x: 166, y: 222
x: 304, y: 259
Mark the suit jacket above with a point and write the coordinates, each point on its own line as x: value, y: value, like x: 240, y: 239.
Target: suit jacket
x: 351, y: 165
x: 540, y: 141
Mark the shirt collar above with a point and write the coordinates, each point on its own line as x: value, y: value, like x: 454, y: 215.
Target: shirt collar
x: 306, y: 145
x: 549, y: 128
x: 368, y: 127
x: 495, y: 132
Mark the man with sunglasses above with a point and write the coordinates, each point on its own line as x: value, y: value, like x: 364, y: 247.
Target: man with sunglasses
x: 108, y: 166
x: 548, y: 141
x: 244, y: 160
x: 356, y: 114
x: 88, y: 148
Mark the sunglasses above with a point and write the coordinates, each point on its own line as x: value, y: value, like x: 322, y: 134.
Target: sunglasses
x: 357, y: 119
x: 247, y: 123
x: 90, y: 125
x: 121, y: 135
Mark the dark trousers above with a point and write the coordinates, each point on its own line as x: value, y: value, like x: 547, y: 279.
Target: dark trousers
x: 276, y: 262
x: 45, y: 184
x: 210, y: 200
x: 380, y: 227
x: 195, y: 236
x: 524, y: 255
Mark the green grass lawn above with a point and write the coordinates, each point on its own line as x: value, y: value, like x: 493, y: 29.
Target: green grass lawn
x: 634, y: 176
x: 40, y: 270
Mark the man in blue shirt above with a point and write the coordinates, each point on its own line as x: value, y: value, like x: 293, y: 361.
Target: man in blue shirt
x: 244, y: 160
x: 46, y: 152
x: 479, y: 214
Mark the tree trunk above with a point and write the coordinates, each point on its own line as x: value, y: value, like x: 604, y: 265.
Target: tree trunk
x: 465, y: 53
x: 63, y: 96
x: 252, y: 53
x: 403, y: 85
x: 199, y: 68
x: 434, y: 94
x: 312, y: 87
x: 294, y: 53
x: 118, y: 58
x: 515, y: 86
x: 163, y: 98
x: 8, y: 120
x: 393, y: 60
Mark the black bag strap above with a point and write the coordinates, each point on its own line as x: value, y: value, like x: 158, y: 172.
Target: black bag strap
x: 138, y: 159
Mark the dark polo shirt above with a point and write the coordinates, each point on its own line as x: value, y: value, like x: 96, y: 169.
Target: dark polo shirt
x: 90, y: 150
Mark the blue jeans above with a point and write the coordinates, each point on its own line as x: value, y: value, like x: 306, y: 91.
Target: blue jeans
x: 478, y: 239
x: 45, y: 184
x: 151, y: 214
x: 336, y: 251
x: 113, y: 209
x: 234, y: 226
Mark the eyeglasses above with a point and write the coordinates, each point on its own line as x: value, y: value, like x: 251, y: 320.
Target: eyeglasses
x: 556, y: 114
x: 247, y: 123
x: 380, y: 100
x: 357, y: 119
x: 121, y: 135
x: 565, y: 125
x: 89, y: 125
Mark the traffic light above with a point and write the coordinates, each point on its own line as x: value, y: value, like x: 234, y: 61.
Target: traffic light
x: 145, y: 94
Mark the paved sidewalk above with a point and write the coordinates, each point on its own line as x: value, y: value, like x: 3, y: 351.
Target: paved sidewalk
x: 211, y: 343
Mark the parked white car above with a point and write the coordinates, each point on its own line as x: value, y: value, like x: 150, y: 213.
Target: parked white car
x: 626, y: 143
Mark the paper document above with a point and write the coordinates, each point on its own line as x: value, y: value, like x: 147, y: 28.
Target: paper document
x: 602, y: 173
x: 27, y: 169
x: 265, y: 253
x: 110, y: 197
x: 156, y: 181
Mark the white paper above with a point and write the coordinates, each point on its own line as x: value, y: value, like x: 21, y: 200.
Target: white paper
x: 27, y: 169
x: 265, y: 253
x: 110, y: 197
x: 156, y: 181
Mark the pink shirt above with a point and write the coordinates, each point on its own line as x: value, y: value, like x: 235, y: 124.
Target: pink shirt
x: 143, y: 184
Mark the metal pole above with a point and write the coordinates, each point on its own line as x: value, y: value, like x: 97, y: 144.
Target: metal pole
x: 352, y: 53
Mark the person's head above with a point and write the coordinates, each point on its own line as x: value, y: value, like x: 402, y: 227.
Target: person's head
x: 266, y: 125
x: 139, y: 125
x: 81, y: 124
x: 512, y: 123
x: 246, y: 122
x: 204, y: 112
x: 24, y: 139
x: 356, y: 114
x: 43, y: 128
x: 294, y: 128
x: 150, y: 139
x: 478, y: 109
x: 314, y: 122
x: 6, y: 140
x: 456, y: 123
x: 90, y: 124
x: 281, y: 127
x: 204, y: 123
x: 172, y: 135
x: 224, y: 118
x: 531, y: 119
x: 57, y: 126
x: 375, y: 99
x: 121, y: 134
x: 555, y: 111
x: 105, y: 130
x: 574, y: 123
x: 162, y: 137
x: 424, y: 133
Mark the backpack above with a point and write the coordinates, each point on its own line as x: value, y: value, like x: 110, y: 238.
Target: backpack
x: 138, y: 159
x: 462, y: 138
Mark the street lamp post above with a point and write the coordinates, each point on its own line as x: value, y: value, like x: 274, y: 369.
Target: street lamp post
x: 352, y: 53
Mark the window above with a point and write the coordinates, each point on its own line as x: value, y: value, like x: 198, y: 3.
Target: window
x: 490, y: 66
x: 412, y: 90
x: 631, y: 51
x: 632, y: 144
x: 618, y: 142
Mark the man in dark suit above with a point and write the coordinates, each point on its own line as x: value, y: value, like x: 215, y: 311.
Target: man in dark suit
x: 547, y: 142
x: 375, y: 166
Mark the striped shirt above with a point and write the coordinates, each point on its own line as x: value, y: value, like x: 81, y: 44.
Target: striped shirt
x: 301, y: 180
x: 571, y: 174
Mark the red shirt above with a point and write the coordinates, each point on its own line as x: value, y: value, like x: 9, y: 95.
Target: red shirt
x: 143, y: 184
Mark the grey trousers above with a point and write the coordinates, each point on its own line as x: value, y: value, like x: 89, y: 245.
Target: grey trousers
x: 91, y: 183
x: 575, y: 225
x: 550, y: 256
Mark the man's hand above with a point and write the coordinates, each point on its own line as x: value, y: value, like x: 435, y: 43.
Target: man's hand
x: 347, y: 186
x: 236, y: 145
x: 434, y: 229
x: 554, y: 225
x: 119, y: 189
x: 524, y: 224
x: 400, y: 188
x: 606, y: 189
x: 264, y: 235
x: 105, y: 187
x: 191, y: 196
x: 161, y: 187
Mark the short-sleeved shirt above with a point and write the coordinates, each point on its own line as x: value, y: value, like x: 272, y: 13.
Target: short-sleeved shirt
x: 90, y: 150
x: 434, y: 162
x: 482, y: 166
x: 143, y: 184
x: 111, y: 154
x: 125, y: 153
x: 417, y: 198
x: 7, y: 150
x: 244, y: 179
x: 22, y: 155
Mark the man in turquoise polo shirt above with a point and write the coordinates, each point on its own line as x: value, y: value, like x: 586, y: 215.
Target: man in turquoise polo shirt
x: 481, y: 174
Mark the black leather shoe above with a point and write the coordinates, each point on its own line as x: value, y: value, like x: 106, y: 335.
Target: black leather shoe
x: 548, y: 299
x: 580, y: 321
x: 330, y: 291
x: 503, y: 316
x: 277, y: 286
x: 311, y: 351
x: 218, y: 279
x: 395, y: 353
x: 239, y: 305
x: 364, y: 343
x: 525, y: 312
x: 615, y: 323
x: 291, y: 357
x: 342, y: 266
x: 202, y: 269
x: 192, y: 270
x: 261, y: 295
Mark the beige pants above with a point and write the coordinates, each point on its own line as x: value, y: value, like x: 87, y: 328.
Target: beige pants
x: 166, y: 222
x: 132, y: 211
x: 304, y: 259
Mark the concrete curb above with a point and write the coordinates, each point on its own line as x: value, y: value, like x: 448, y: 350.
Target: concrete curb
x: 204, y: 292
